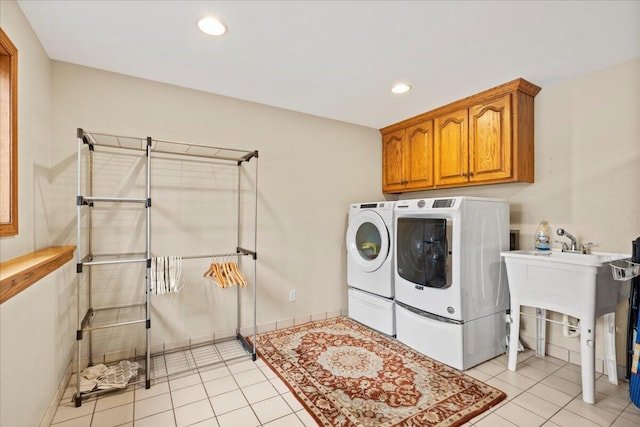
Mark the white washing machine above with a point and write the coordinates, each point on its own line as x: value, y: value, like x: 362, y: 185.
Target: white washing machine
x: 369, y: 265
x: 450, y: 281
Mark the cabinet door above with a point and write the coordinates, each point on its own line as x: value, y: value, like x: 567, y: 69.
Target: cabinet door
x: 393, y: 169
x: 419, y: 156
x: 490, y: 140
x: 451, y: 148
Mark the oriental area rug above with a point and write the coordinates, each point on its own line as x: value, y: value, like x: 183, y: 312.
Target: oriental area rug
x: 346, y: 374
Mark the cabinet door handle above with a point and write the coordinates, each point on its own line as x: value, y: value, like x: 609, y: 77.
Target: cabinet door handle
x: 470, y: 173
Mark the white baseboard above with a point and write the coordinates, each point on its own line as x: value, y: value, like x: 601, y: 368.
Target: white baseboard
x: 55, y: 402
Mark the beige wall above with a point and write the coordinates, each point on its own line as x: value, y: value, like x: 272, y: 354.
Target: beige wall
x: 34, y: 135
x: 310, y: 169
x: 37, y: 328
x: 37, y: 332
x: 587, y: 172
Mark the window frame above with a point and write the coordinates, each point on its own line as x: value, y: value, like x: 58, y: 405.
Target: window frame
x: 9, y: 134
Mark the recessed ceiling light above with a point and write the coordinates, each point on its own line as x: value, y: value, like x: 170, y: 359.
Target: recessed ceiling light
x: 212, y: 26
x: 401, y: 88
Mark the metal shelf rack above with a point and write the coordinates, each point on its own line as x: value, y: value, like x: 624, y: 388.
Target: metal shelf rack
x: 140, y: 313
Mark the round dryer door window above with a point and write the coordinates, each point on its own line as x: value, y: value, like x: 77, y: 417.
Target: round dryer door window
x: 368, y: 240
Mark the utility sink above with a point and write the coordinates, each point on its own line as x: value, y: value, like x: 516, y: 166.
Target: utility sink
x: 580, y: 285
x: 566, y: 282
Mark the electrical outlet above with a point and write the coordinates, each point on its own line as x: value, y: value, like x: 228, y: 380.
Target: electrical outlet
x: 292, y: 295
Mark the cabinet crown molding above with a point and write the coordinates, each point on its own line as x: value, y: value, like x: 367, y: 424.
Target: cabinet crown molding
x: 517, y: 85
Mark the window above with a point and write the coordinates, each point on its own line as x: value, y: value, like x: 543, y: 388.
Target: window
x: 8, y: 136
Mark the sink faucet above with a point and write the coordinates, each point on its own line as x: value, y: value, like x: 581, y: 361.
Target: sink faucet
x: 574, y: 242
x: 584, y: 247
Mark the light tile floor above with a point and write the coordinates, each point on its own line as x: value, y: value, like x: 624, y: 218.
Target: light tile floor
x: 243, y: 393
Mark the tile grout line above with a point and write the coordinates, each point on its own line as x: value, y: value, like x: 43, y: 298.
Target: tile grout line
x: 546, y: 419
x: 573, y: 398
x: 521, y: 392
x: 233, y: 375
x: 550, y: 374
x: 215, y: 350
x: 268, y: 380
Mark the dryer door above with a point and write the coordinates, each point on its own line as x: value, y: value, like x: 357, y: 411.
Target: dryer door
x: 368, y: 240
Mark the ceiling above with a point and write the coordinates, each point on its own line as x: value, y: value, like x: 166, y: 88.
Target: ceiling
x: 339, y: 59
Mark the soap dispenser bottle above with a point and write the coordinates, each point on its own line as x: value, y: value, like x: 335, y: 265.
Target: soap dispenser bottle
x: 543, y: 237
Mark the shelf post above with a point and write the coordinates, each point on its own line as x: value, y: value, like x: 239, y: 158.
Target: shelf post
x: 77, y: 399
x: 148, y: 266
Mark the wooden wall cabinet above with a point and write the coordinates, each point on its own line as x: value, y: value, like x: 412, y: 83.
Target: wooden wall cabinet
x: 451, y: 148
x: 407, y: 158
x: 483, y: 139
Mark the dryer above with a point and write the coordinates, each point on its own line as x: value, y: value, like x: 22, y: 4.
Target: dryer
x: 369, y: 244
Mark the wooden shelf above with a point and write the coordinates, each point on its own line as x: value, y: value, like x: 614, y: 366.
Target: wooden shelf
x: 19, y: 273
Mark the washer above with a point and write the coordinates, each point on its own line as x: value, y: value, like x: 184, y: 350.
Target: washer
x: 369, y: 265
x: 450, y: 281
